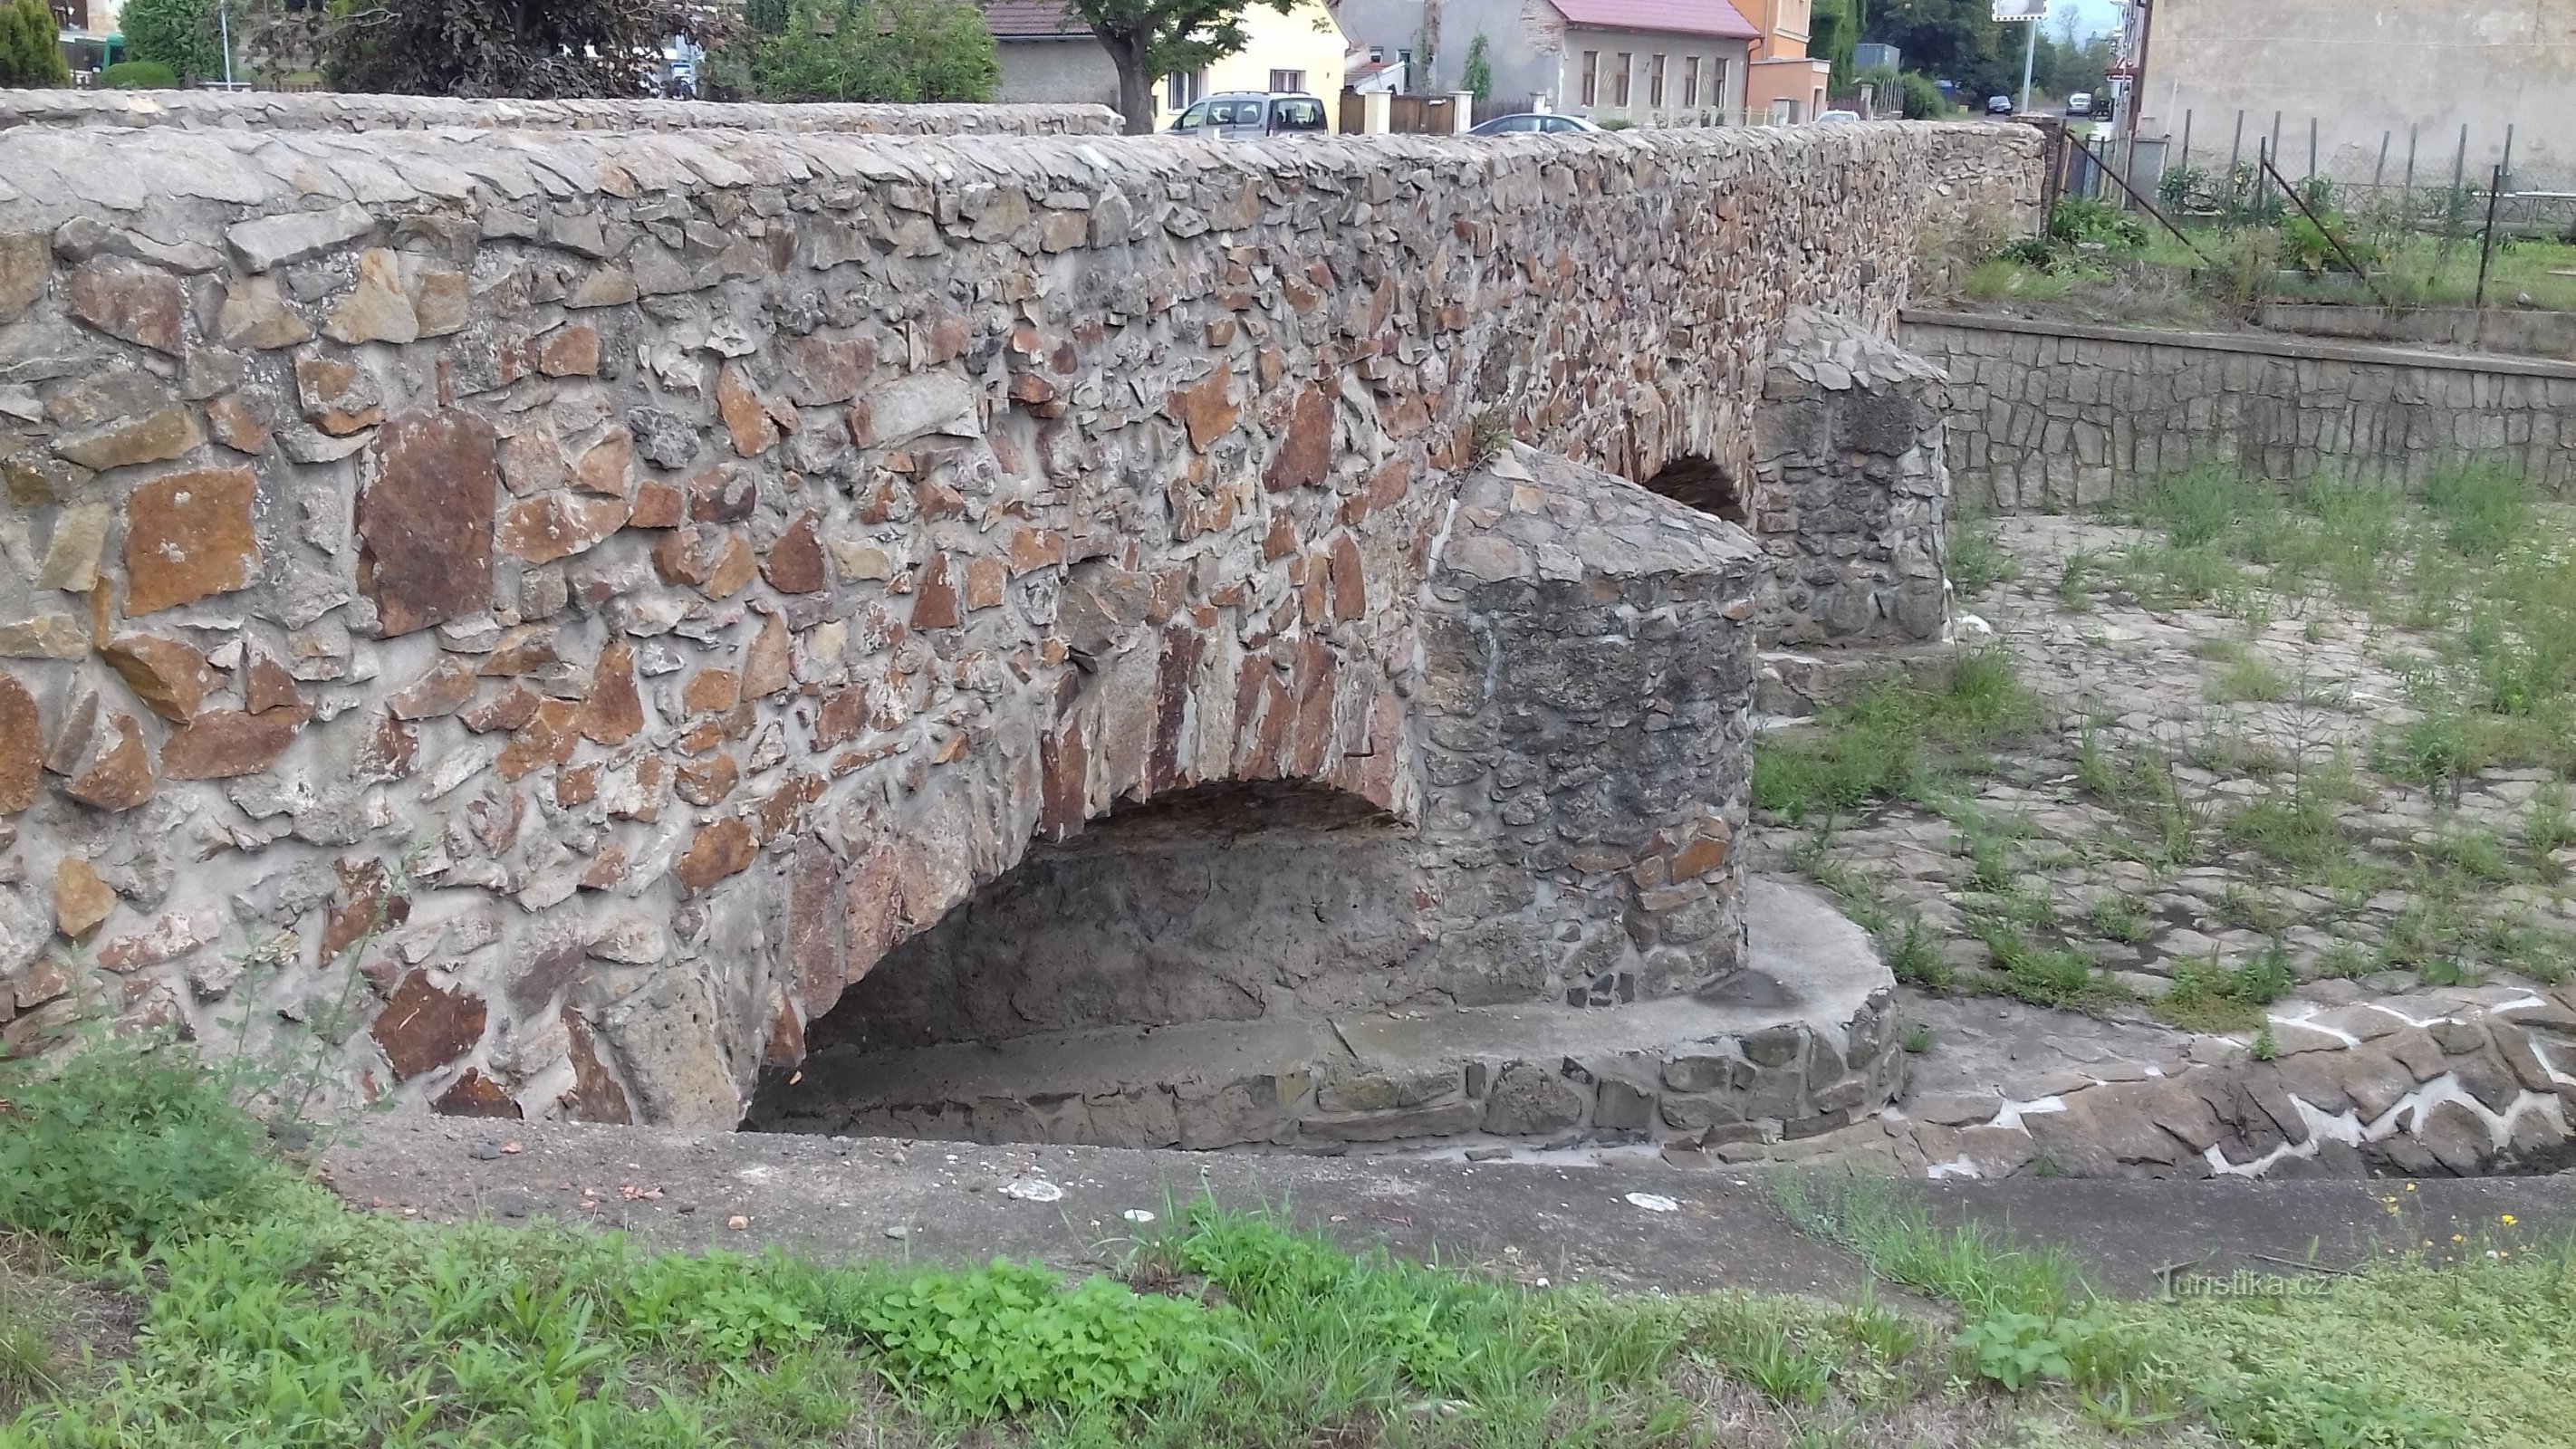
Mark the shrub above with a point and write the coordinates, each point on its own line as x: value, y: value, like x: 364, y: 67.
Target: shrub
x: 139, y: 75
x: 125, y: 1144
x: 30, y: 53
x: 1010, y: 1337
x: 179, y: 34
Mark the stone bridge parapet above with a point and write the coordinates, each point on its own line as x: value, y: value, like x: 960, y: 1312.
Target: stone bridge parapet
x: 549, y: 610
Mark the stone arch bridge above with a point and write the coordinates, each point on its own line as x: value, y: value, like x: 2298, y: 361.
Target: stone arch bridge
x: 549, y: 602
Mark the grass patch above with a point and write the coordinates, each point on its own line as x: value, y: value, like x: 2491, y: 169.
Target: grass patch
x: 1900, y: 741
x: 1977, y: 558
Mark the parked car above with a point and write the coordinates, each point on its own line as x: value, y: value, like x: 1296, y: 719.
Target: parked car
x: 1999, y: 105
x: 1823, y: 116
x: 2079, y: 105
x: 1527, y: 123
x: 1251, y: 115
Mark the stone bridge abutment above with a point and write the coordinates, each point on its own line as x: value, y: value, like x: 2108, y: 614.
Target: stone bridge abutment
x: 619, y: 598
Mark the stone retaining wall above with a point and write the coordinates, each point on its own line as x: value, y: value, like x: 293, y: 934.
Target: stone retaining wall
x: 332, y: 111
x: 547, y: 611
x: 2053, y: 416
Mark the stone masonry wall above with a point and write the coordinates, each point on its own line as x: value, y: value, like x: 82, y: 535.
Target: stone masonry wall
x: 330, y: 111
x: 2052, y: 415
x: 1851, y: 491
x: 546, y: 611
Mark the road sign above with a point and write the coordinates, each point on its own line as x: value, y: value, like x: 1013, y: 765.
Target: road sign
x: 2017, y: 10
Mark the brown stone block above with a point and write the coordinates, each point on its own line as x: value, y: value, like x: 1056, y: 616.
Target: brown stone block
x: 128, y: 300
x: 795, y: 562
x: 22, y: 746
x: 444, y: 689
x: 1036, y: 548
x: 169, y: 677
x: 722, y: 849
x: 115, y: 769
x: 337, y: 395
x: 657, y: 505
x: 746, y: 420
x: 934, y: 601
x: 426, y: 518
x: 735, y: 566
x: 387, y: 753
x: 81, y: 899
x: 511, y: 709
x: 841, y: 716
x: 1349, y: 580
x: 595, y: 1094
x: 707, y: 782
x: 767, y: 663
x: 578, y: 785
x: 476, y: 1095
x: 520, y: 651
x: 164, y: 941
x: 547, y: 739
x: 188, y: 535
x: 614, y: 712
x: 223, y: 743
x: 571, y: 351
x: 604, y: 466
x: 1305, y: 454
x: 822, y: 371
x: 423, y: 1028
x: 237, y: 424
x: 150, y: 437
x: 986, y: 581
x: 266, y: 686
x: 558, y: 525
x: 711, y: 691
x: 1204, y: 409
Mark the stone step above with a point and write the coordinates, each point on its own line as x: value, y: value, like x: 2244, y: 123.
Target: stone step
x: 1799, y: 1044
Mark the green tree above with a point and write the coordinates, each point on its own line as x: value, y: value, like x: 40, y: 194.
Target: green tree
x: 1478, y: 77
x: 538, y: 49
x: 767, y: 17
x: 1148, y: 39
x: 903, y: 51
x: 31, y: 54
x: 177, y: 33
x: 1833, y: 30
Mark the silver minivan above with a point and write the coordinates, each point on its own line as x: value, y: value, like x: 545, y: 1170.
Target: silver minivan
x: 1250, y: 115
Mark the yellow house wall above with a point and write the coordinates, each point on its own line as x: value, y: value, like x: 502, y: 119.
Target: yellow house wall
x: 1303, y: 39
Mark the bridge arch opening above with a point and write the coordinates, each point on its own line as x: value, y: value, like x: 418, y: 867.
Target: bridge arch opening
x: 1077, y: 996
x: 1704, y: 484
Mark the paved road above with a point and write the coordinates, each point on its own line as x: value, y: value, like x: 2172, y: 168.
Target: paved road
x: 942, y: 1201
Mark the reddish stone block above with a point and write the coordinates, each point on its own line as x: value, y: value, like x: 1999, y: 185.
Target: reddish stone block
x: 443, y: 690
x: 424, y: 1028
x: 569, y: 351
x: 722, y: 849
x: 934, y: 601
x: 1305, y: 454
x: 547, y: 739
x: 169, y: 677
x: 558, y: 525
x: 130, y: 301
x: 473, y: 1094
x: 795, y: 562
x: 1349, y: 580
x: 115, y: 774
x: 425, y: 519
x: 595, y: 1094
x: 224, y: 743
x: 745, y: 419
x: 22, y: 746
x: 1204, y: 409
x: 188, y: 535
x: 614, y: 711
x: 604, y: 466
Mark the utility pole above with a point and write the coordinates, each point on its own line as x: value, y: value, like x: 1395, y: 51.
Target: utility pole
x: 2030, y: 54
x: 224, y: 24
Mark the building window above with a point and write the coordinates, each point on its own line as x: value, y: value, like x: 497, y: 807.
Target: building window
x: 1655, y: 84
x: 1181, y: 88
x: 1287, y: 80
x: 1690, y: 82
x: 1404, y: 58
x: 1591, y: 79
x: 1717, y: 83
x: 1619, y: 79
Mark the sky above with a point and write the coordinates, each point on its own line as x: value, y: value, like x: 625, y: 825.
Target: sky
x: 2091, y: 16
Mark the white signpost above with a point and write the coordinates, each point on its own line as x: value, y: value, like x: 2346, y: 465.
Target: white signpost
x: 2030, y: 13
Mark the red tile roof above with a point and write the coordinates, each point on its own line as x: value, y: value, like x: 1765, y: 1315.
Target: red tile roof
x: 1032, y: 19
x: 1681, y: 17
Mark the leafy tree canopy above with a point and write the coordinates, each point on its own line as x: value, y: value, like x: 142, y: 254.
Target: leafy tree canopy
x: 1148, y: 39
x: 177, y: 33
x: 30, y: 55
x: 904, y: 51
x: 538, y: 49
